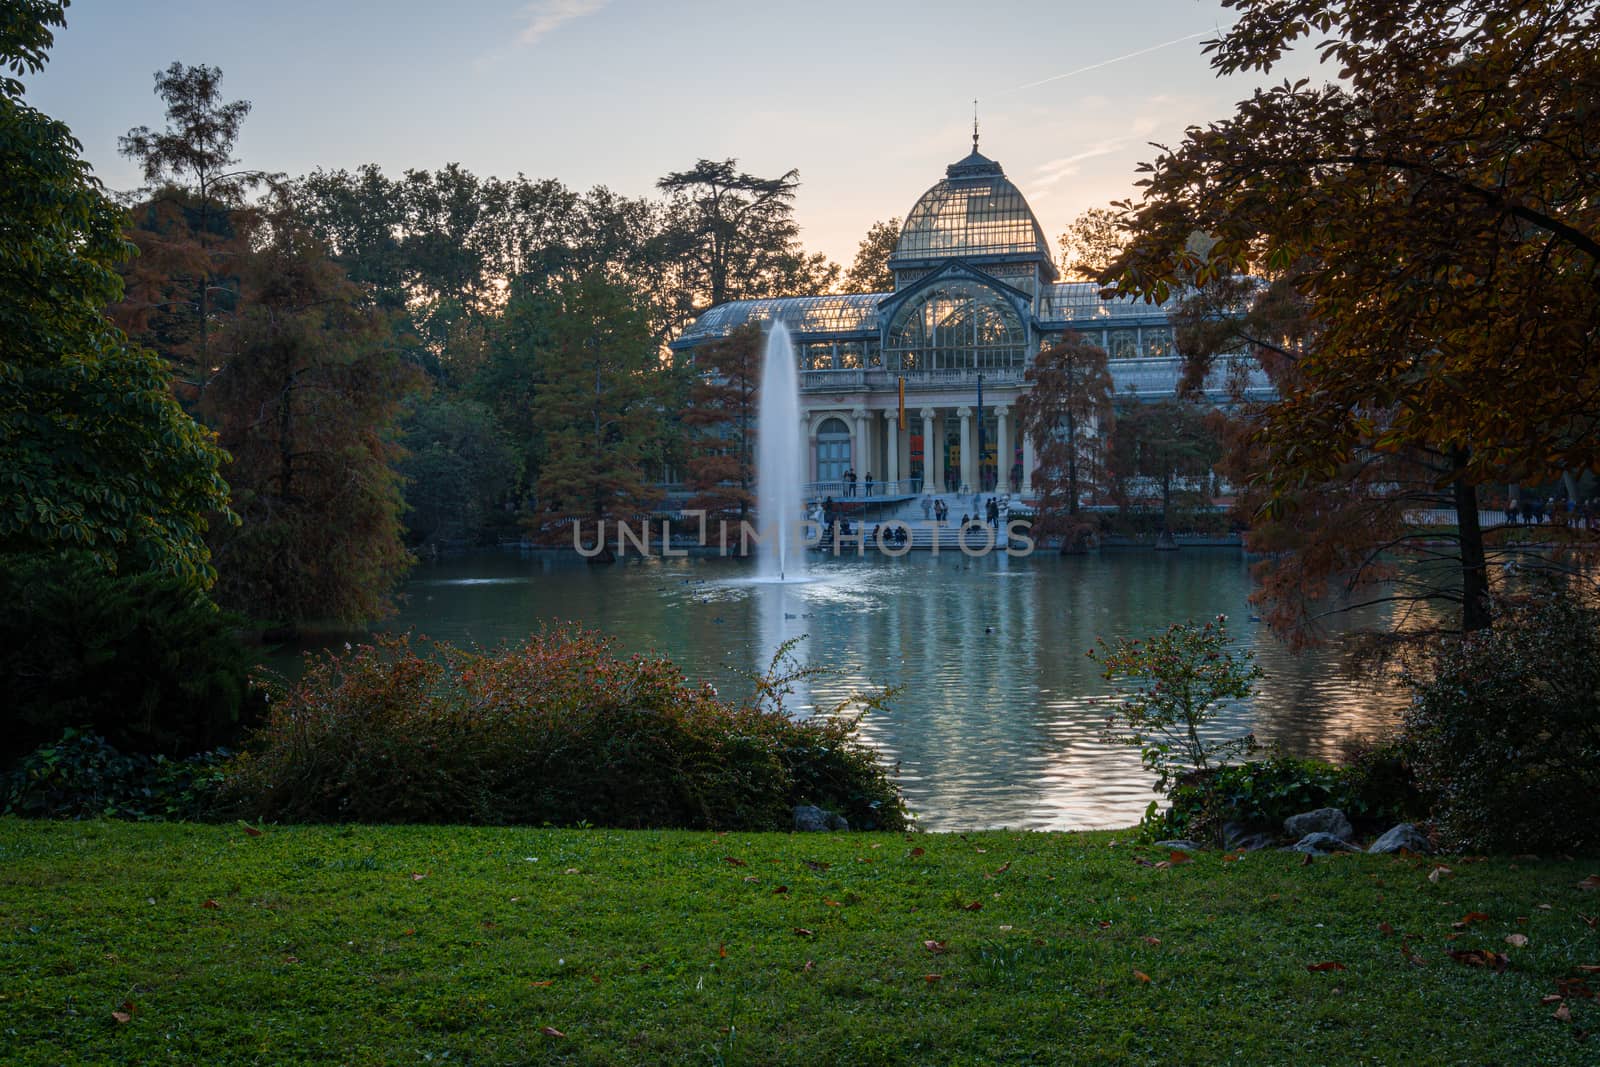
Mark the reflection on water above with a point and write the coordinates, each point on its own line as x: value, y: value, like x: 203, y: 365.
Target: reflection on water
x: 995, y: 725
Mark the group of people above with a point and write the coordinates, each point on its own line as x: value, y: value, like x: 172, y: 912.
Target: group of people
x: 850, y: 481
x: 939, y: 511
x: 1561, y: 512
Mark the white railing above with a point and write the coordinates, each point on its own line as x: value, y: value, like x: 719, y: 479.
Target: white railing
x: 841, y: 490
x: 830, y: 381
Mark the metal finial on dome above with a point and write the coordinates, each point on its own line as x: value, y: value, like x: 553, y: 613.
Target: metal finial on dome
x: 974, y: 124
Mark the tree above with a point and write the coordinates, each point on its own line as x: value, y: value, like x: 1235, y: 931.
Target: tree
x: 1440, y: 213
x: 733, y: 235
x: 597, y: 409
x: 1170, y: 442
x: 458, y: 469
x: 306, y: 402
x: 95, y: 454
x: 188, y: 166
x: 1067, y: 412
x: 1090, y: 244
x: 870, y: 272
x: 724, y: 399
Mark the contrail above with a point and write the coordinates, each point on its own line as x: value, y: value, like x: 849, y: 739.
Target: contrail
x: 1108, y: 62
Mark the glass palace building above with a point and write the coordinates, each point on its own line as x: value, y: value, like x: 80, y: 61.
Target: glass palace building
x: 976, y: 294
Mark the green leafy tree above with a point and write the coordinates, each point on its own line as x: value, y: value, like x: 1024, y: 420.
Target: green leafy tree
x: 870, y: 272
x: 1439, y: 208
x: 1068, y: 413
x: 1170, y: 687
x: 459, y: 469
x: 95, y: 453
x: 306, y: 403
x: 598, y: 408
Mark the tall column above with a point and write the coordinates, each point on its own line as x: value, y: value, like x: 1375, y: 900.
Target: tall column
x: 858, y: 446
x: 891, y: 450
x: 932, y: 476
x: 1002, y: 448
x: 969, y: 469
x: 1028, y: 462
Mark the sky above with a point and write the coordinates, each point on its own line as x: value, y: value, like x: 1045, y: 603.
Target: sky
x: 869, y: 100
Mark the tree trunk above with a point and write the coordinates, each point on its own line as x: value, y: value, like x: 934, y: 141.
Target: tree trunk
x: 1474, y: 570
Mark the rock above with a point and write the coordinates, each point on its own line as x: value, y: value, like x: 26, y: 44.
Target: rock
x: 1242, y: 837
x: 1321, y: 821
x: 1405, y: 836
x: 808, y: 818
x: 1320, y: 844
x: 1182, y: 844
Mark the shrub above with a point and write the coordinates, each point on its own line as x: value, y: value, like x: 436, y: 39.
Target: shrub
x: 1506, y: 729
x: 558, y: 730
x: 1177, y: 681
x: 145, y: 660
x: 1259, y: 792
x: 81, y: 776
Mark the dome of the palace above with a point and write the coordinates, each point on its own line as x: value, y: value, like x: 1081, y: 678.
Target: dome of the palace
x: 974, y: 212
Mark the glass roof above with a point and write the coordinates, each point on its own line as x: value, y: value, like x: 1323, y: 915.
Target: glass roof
x: 839, y: 313
x: 1079, y: 302
x: 974, y: 211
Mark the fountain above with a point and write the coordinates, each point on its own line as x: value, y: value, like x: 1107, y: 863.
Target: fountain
x: 778, y: 462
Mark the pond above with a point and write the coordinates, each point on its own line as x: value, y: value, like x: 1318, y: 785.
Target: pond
x: 995, y: 724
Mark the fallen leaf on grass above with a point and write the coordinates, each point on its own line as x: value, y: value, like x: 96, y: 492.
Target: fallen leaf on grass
x: 833, y: 904
x: 976, y: 905
x: 1152, y: 940
x: 752, y: 878
x: 291, y: 959
x: 251, y: 830
x: 1330, y: 965
x: 815, y: 866
x: 931, y: 978
x: 1003, y: 868
x: 1591, y: 882
x: 1472, y: 917
x: 1550, y: 998
x: 810, y: 965
x: 1516, y: 940
x: 1177, y: 856
x: 1141, y: 976
x: 1588, y: 920
x: 1439, y: 872
x: 733, y: 861
x: 1479, y: 957
x: 801, y: 931
x: 1142, y: 862
x: 124, y: 1014
x: 550, y: 1031
x: 780, y: 889
x: 1411, y: 957
x: 934, y: 947
x: 211, y: 904
x: 1305, y: 861
x: 1562, y: 1014
x: 1387, y: 930
x: 1589, y: 968
x: 916, y: 852
x: 722, y: 951
x: 543, y: 984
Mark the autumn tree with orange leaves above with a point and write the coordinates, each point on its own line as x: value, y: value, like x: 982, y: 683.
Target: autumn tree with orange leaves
x: 1437, y: 211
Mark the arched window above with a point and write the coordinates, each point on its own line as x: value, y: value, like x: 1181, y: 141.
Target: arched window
x: 958, y: 325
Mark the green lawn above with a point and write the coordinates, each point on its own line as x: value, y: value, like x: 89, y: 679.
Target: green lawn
x: 445, y: 945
